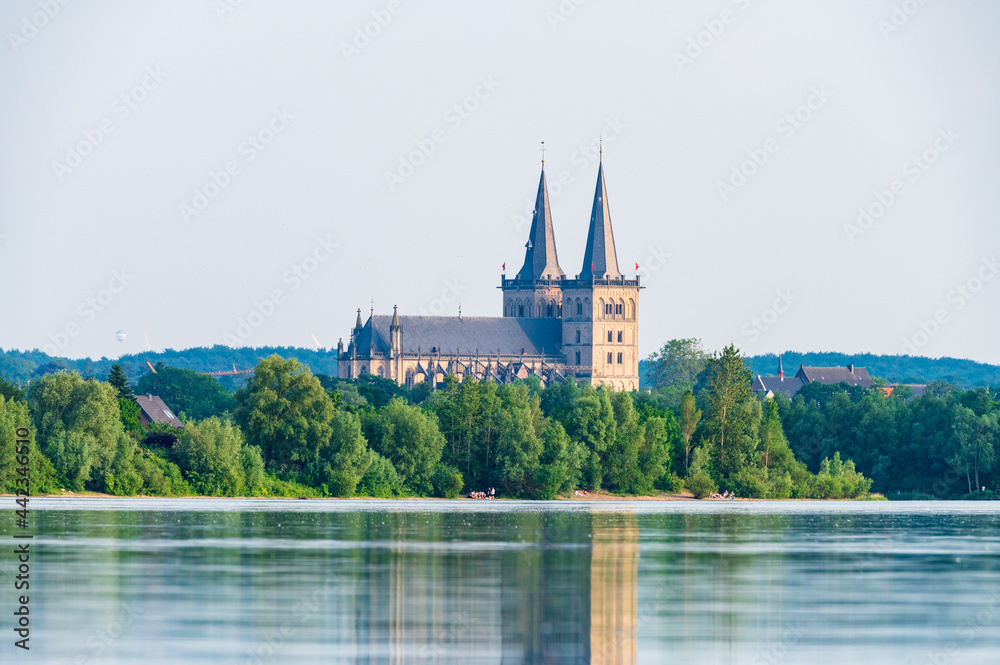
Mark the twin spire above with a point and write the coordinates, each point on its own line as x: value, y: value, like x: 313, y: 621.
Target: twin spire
x: 599, y: 259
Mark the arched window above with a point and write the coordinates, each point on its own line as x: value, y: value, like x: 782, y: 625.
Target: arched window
x: 610, y: 336
x: 350, y: 372
x: 577, y: 335
x: 364, y: 370
x: 520, y: 309
x: 609, y: 357
x: 577, y: 357
x: 551, y: 311
x: 586, y: 308
x: 509, y: 311
x: 380, y: 371
x: 619, y: 336
x: 579, y: 307
x: 603, y: 306
x: 631, y: 309
x: 619, y: 358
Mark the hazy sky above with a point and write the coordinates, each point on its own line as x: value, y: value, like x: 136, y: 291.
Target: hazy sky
x: 171, y: 168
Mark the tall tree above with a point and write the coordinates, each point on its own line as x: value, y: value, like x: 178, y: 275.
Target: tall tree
x: 732, y: 413
x: 285, y: 412
x: 411, y: 440
x: 690, y: 417
x: 674, y: 369
x: 117, y: 378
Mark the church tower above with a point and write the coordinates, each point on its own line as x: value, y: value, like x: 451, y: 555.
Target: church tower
x: 601, y: 308
x: 536, y: 290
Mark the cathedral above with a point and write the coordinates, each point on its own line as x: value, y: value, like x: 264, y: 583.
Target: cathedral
x: 553, y: 325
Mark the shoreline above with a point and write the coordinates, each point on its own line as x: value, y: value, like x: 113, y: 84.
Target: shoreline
x: 591, y: 496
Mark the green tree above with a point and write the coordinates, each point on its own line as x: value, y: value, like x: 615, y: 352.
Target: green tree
x: 518, y: 445
x: 690, y: 417
x: 78, y: 426
x: 285, y: 412
x: 591, y: 420
x: 699, y: 480
x: 340, y: 465
x: 410, y: 439
x: 208, y: 453
x: 117, y: 378
x: 732, y: 414
x: 197, y: 396
x: 380, y: 480
x: 10, y: 390
x: 14, y: 452
x: 975, y: 437
x: 674, y: 369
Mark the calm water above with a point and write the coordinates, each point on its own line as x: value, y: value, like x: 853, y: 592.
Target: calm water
x: 227, y: 581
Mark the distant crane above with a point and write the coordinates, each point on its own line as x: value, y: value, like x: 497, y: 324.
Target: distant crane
x: 232, y: 372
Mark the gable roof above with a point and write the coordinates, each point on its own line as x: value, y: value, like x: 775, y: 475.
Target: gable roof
x: 449, y: 334
x: 154, y: 408
x: 851, y: 375
x: 775, y: 384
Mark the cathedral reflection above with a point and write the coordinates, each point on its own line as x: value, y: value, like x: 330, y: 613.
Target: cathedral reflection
x: 566, y: 593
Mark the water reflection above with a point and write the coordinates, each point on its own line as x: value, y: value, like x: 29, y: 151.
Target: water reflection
x: 423, y: 582
x: 565, y: 594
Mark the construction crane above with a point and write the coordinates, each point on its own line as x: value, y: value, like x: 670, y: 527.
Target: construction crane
x: 232, y: 372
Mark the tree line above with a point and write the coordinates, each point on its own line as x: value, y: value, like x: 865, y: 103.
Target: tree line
x: 288, y: 432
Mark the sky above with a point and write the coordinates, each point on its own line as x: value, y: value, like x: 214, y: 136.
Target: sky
x: 788, y: 174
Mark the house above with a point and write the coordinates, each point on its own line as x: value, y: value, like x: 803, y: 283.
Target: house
x: 153, y: 410
x: 771, y: 385
x: 828, y: 376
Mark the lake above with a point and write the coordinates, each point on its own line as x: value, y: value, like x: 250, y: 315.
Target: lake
x: 295, y: 581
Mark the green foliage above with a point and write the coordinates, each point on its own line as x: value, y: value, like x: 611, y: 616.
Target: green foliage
x: 118, y: 380
x: 410, y: 439
x: 732, y: 413
x: 197, y: 396
x: 447, y: 481
x: 209, y: 455
x: 10, y: 391
x: 380, y: 480
x: 129, y: 412
x: 699, y: 481
x: 674, y: 369
x: 341, y: 464
x: 285, y: 412
x: 78, y: 426
x: 14, y: 416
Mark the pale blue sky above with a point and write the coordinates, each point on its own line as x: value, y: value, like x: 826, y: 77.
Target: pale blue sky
x: 306, y: 227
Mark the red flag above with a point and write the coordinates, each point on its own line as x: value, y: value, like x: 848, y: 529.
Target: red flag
x: 504, y: 266
x: 637, y: 266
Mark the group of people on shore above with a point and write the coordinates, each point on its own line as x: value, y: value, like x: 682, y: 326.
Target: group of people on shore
x: 489, y: 494
x: 725, y: 495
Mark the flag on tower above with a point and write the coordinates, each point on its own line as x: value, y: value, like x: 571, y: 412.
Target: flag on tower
x: 504, y: 266
x: 637, y: 266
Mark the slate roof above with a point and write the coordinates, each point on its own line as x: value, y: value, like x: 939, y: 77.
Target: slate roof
x: 154, y: 408
x: 600, y: 259
x: 775, y: 384
x: 540, y: 258
x: 450, y: 334
x: 851, y: 375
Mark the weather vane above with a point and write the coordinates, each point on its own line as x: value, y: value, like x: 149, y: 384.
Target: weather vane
x: 543, y: 153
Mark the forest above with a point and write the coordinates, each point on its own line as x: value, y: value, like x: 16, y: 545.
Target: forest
x: 698, y: 427
x: 288, y: 432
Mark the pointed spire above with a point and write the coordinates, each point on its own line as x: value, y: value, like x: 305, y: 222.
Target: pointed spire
x: 781, y: 370
x: 395, y: 320
x: 540, y: 259
x: 357, y: 325
x: 600, y: 259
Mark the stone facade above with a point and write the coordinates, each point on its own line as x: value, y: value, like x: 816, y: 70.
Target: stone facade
x: 552, y: 326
